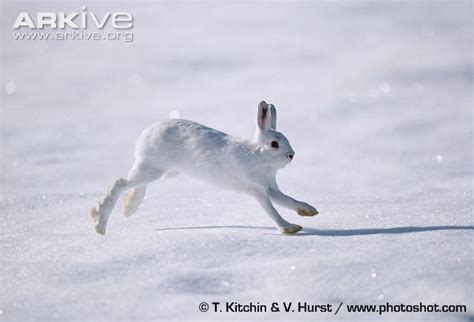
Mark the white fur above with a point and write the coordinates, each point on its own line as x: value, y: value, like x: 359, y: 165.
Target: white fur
x: 187, y: 147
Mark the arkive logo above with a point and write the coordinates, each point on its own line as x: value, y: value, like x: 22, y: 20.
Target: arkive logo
x: 66, y: 26
x: 73, y: 20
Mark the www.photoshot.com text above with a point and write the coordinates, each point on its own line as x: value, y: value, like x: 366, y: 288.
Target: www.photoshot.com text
x: 307, y: 307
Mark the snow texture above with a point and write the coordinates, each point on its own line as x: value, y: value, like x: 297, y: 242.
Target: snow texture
x: 375, y: 98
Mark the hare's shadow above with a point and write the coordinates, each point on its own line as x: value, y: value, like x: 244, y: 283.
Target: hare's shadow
x: 338, y: 232
x: 379, y: 231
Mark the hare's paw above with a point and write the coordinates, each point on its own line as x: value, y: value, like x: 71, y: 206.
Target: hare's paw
x: 99, y: 225
x: 131, y: 202
x: 306, y: 210
x: 290, y: 229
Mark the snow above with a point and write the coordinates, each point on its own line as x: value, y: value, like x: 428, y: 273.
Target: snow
x: 10, y: 88
x: 375, y: 98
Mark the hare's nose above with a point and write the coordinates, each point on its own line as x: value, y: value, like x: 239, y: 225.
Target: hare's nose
x: 290, y: 155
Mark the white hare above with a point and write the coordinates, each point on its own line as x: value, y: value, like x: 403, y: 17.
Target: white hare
x: 184, y: 146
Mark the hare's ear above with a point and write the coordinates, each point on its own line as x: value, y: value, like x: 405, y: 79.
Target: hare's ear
x: 266, y: 117
x: 273, y: 119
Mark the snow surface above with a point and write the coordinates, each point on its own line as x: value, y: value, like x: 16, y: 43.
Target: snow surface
x: 375, y: 98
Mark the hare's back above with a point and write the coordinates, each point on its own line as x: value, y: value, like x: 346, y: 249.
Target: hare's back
x: 179, y: 137
x: 189, y: 132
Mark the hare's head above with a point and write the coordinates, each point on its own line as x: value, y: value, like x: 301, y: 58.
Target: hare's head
x: 275, y: 147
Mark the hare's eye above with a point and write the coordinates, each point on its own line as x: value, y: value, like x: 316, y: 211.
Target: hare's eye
x: 274, y: 144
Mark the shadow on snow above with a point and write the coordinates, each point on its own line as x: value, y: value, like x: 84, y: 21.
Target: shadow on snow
x: 336, y: 232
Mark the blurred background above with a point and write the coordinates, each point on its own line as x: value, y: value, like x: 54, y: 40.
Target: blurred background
x: 375, y: 97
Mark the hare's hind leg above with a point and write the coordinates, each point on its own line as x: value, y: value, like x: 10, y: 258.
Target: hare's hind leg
x: 100, y: 213
x: 139, y: 176
x: 133, y: 199
x: 134, y: 196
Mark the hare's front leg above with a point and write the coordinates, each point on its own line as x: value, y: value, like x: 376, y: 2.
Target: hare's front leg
x: 283, y: 226
x: 302, y: 208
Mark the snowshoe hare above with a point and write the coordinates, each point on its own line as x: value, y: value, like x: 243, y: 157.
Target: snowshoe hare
x: 179, y: 145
